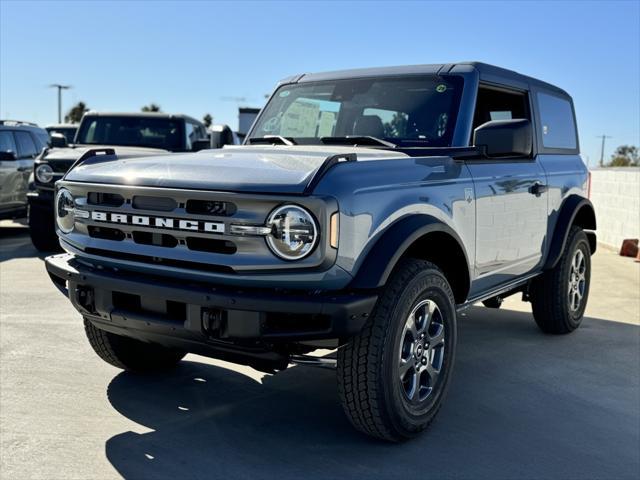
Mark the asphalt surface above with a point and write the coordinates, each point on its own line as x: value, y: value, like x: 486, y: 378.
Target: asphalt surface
x: 522, y: 404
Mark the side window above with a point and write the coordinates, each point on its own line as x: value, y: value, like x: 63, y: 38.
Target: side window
x: 41, y: 140
x: 26, y: 147
x: 558, y: 125
x: 7, y: 143
x: 494, y: 104
x: 191, y: 134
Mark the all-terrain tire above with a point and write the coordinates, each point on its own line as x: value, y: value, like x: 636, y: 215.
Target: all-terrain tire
x: 130, y: 354
x: 553, y: 294
x: 369, y: 386
x: 42, y: 230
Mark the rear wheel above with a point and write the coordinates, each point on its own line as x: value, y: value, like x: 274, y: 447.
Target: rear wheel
x: 130, y: 354
x: 393, y: 375
x: 42, y: 230
x: 559, y: 296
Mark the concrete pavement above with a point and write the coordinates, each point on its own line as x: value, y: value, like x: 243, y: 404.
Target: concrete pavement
x: 522, y: 404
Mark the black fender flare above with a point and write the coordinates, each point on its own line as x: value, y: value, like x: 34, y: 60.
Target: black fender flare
x: 394, y: 243
x: 573, y: 208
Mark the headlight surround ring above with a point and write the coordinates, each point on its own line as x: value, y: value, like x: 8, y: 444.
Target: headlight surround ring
x: 65, y: 210
x: 44, y: 173
x: 294, y: 232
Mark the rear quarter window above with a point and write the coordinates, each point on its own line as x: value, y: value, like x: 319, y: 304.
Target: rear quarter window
x: 557, y: 124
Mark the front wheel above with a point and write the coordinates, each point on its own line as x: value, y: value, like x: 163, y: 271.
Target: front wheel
x: 394, y: 374
x: 559, y: 296
x: 130, y: 354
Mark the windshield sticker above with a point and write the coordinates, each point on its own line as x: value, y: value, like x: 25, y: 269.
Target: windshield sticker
x: 284, y: 93
x: 300, y: 120
x: 441, y: 88
x: 325, y: 127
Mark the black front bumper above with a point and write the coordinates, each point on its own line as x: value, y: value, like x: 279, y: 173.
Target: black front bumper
x: 205, y: 319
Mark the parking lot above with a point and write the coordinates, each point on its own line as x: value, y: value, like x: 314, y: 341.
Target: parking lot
x: 522, y: 404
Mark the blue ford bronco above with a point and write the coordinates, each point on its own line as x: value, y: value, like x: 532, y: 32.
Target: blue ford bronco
x: 364, y: 211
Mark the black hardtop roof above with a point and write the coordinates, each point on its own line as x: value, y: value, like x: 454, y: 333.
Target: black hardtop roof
x: 486, y: 71
x: 92, y: 113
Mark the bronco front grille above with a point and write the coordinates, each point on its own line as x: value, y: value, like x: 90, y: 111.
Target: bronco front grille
x: 187, y: 229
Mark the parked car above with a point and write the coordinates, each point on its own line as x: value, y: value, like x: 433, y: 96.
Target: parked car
x: 67, y: 130
x: 367, y: 208
x: 130, y: 134
x: 20, y: 143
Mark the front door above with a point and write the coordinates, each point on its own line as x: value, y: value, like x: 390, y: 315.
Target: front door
x: 511, y: 200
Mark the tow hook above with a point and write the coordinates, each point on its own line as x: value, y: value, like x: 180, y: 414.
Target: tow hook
x: 85, y: 298
x: 213, y: 322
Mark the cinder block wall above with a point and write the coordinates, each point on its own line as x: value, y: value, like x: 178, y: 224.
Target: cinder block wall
x: 615, y: 193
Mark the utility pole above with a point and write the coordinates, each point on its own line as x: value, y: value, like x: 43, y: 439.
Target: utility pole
x: 60, y: 88
x: 604, y: 137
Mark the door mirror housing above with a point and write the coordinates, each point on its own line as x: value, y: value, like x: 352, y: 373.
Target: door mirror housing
x: 8, y: 156
x: 198, y: 145
x: 58, y: 140
x: 221, y: 135
x: 505, y: 138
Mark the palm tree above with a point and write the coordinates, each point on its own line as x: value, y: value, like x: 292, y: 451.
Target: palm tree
x: 152, y: 107
x: 75, y: 114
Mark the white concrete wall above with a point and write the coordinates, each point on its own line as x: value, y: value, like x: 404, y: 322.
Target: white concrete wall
x: 615, y: 193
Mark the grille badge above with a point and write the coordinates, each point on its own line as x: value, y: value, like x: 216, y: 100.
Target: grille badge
x: 157, y: 222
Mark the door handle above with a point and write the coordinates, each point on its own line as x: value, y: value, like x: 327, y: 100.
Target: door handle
x: 538, y: 189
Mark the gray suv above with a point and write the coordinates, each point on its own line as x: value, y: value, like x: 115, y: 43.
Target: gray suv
x: 20, y: 144
x: 365, y: 211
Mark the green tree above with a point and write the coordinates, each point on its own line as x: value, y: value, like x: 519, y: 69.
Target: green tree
x: 207, y: 120
x: 625, y: 156
x: 152, y: 107
x: 74, y: 115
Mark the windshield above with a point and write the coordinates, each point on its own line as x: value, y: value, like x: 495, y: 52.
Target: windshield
x: 165, y: 133
x: 406, y: 111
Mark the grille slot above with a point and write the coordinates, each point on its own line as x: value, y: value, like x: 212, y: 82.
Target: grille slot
x: 106, y: 233
x: 157, y: 239
x: 205, y: 267
x: 105, y: 199
x: 211, y: 245
x: 208, y: 207
x: 157, y: 204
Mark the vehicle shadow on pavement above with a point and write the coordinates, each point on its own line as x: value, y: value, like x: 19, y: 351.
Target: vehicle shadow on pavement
x: 521, y: 405
x: 15, y: 243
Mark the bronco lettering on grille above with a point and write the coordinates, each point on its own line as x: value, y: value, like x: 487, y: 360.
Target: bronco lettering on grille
x: 158, y: 222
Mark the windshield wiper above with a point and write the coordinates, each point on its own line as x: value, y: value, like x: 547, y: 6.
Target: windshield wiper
x: 272, y: 139
x: 357, y: 140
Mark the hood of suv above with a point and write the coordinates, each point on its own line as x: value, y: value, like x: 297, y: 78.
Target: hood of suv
x: 62, y: 158
x: 270, y: 169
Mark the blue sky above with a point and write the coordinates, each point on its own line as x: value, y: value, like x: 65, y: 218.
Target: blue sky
x: 190, y: 57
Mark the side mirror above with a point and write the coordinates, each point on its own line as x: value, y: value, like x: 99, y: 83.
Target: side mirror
x: 58, y: 140
x: 8, y: 156
x: 221, y: 135
x: 505, y: 138
x: 198, y: 145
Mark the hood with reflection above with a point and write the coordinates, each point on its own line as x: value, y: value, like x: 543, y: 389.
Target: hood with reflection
x: 270, y: 169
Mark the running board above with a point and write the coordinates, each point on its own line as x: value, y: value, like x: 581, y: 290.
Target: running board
x: 510, y: 288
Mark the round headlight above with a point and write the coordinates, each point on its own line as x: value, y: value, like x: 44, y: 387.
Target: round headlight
x: 294, y: 232
x: 44, y: 173
x: 65, y: 217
